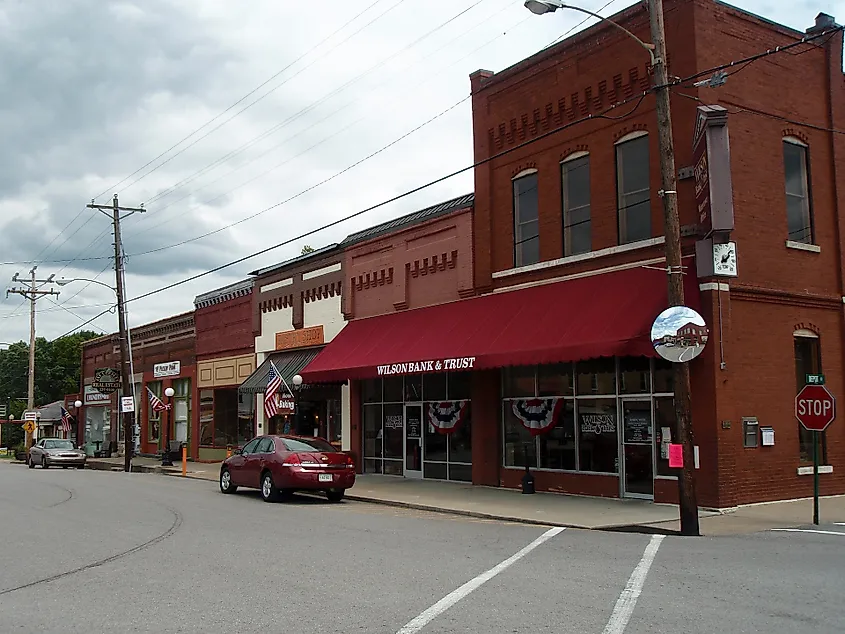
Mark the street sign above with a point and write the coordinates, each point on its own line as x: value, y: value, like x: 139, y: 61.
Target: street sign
x: 815, y: 379
x: 29, y: 427
x: 30, y: 414
x: 815, y: 407
x: 127, y: 404
x: 106, y: 380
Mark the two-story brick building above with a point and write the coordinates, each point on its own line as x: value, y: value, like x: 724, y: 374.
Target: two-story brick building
x: 568, y: 259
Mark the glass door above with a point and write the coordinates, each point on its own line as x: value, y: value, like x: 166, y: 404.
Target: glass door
x: 638, y: 448
x: 413, y: 441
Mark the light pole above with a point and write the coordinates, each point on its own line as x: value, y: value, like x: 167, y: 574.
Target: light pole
x: 127, y: 369
x: 77, y: 405
x: 297, y: 384
x: 688, y: 504
x: 165, y: 453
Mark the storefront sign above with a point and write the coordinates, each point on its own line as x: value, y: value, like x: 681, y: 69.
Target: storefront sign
x: 598, y: 423
x: 286, y: 405
x: 419, y: 367
x: 171, y: 368
x: 95, y: 397
x: 393, y: 422
x: 106, y: 380
x: 712, y: 170
x: 637, y: 427
x: 300, y: 338
x: 127, y: 404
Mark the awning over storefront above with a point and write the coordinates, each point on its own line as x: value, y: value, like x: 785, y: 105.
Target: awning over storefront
x: 595, y: 316
x: 288, y: 364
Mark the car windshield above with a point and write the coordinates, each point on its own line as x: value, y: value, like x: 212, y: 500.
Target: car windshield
x: 308, y: 444
x: 58, y: 444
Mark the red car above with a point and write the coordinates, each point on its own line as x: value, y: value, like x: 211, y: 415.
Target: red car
x: 280, y: 465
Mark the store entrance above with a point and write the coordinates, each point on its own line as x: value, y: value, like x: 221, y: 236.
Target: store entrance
x: 637, y: 448
x: 413, y: 441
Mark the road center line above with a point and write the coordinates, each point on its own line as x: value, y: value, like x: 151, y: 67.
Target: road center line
x: 628, y: 599
x: 419, y: 622
x: 808, y: 530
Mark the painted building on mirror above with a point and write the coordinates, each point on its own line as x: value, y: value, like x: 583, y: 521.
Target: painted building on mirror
x: 551, y: 364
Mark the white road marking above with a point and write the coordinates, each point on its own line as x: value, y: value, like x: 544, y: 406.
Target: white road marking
x: 810, y: 530
x: 839, y: 523
x: 628, y: 599
x: 419, y: 622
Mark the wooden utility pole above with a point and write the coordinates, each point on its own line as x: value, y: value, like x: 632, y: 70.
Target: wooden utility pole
x: 33, y: 292
x: 686, y: 483
x: 114, y: 212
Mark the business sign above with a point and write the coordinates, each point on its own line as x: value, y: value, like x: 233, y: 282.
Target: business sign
x: 106, y: 380
x: 95, y: 397
x: 127, y: 404
x: 286, y: 405
x: 30, y: 414
x: 711, y: 163
x: 420, y: 367
x: 300, y: 338
x: 171, y: 368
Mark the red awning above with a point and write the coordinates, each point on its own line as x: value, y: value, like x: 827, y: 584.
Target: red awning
x: 596, y: 316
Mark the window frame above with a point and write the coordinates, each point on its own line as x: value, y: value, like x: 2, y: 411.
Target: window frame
x: 566, y: 210
x: 156, y: 387
x: 621, y: 211
x: 804, y: 436
x: 807, y: 211
x: 518, y: 240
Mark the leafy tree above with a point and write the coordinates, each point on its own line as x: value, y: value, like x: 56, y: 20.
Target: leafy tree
x: 307, y: 249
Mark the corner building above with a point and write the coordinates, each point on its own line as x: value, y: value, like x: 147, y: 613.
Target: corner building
x: 569, y: 272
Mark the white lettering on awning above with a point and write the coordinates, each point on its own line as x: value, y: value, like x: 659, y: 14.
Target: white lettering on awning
x: 421, y: 367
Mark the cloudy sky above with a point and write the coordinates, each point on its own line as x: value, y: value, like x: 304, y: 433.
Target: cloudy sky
x: 98, y: 92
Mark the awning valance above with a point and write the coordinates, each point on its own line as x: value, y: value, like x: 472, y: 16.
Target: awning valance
x: 289, y: 364
x: 595, y: 316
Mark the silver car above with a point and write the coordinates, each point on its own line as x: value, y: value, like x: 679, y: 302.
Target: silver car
x: 56, y: 452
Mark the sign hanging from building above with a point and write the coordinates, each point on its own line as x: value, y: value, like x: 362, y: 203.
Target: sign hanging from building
x: 171, y: 368
x: 300, y: 338
x: 106, y: 380
x: 711, y: 162
x: 95, y: 397
x: 286, y: 405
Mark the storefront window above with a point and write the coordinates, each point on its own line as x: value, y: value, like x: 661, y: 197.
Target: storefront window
x: 373, y: 438
x: 394, y: 434
x: 413, y: 388
x: 518, y: 440
x: 557, y: 447
x: 459, y: 386
x: 597, y: 376
x: 634, y: 375
x: 371, y: 391
x: 181, y: 410
x: 333, y: 416
x: 226, y: 418
x: 519, y: 381
x: 434, y: 387
x: 207, y: 418
x: 153, y: 417
x: 393, y: 390
x: 598, y: 441
x: 555, y: 380
x: 664, y: 377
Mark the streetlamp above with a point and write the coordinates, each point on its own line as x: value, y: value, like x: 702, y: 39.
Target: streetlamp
x: 65, y: 281
x: 297, y: 384
x: 77, y: 405
x: 165, y: 454
x: 688, y: 504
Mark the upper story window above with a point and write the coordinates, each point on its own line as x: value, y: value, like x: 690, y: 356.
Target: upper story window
x: 799, y: 213
x: 575, y: 185
x: 526, y: 228
x: 633, y: 189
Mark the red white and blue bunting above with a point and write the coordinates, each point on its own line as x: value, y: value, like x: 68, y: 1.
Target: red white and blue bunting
x: 538, y: 415
x: 447, y: 416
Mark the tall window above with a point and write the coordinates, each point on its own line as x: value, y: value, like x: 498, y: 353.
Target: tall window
x: 633, y: 190
x: 526, y: 230
x: 575, y: 183
x: 799, y: 217
x: 808, y: 360
x: 153, y: 417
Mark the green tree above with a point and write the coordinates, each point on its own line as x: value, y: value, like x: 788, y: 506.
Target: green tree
x: 307, y: 249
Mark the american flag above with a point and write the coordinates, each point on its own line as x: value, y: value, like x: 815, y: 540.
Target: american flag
x: 156, y: 403
x: 274, y: 382
x: 66, y: 421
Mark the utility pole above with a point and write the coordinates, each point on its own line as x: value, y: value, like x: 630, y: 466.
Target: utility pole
x: 686, y: 483
x: 33, y: 293
x: 114, y: 211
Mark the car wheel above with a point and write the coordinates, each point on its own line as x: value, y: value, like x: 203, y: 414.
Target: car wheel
x: 269, y: 492
x: 30, y: 463
x: 226, y: 485
x: 335, y: 496
x: 44, y: 464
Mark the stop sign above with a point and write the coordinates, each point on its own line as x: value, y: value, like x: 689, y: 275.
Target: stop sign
x: 815, y: 407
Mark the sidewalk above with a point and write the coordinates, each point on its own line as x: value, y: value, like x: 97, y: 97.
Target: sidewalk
x: 551, y: 509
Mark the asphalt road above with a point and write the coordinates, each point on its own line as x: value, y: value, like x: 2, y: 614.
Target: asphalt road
x: 88, y: 552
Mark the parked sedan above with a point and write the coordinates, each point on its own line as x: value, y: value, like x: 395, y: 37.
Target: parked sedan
x: 281, y: 465
x: 56, y: 452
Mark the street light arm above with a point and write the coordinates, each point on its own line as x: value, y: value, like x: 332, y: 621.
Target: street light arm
x: 65, y: 282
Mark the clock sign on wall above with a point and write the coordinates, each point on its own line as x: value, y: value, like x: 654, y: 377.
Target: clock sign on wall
x: 724, y: 259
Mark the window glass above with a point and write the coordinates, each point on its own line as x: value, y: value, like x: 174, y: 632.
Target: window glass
x: 334, y: 418
x: 460, y: 440
x: 207, y: 418
x: 308, y: 444
x: 555, y: 380
x: 435, y: 444
x: 633, y: 189
x: 434, y: 387
x: 666, y: 432
x: 598, y: 447
x: 518, y: 381
x: 597, y: 376
x: 393, y: 390
x: 413, y: 388
x: 265, y: 446
x: 371, y: 391
x: 557, y: 446
x: 575, y: 181
x: 798, y: 215
x: 250, y: 446
x: 394, y: 431
x: 519, y: 444
x: 634, y: 375
x: 808, y: 361
x: 664, y: 377
x: 153, y: 417
x: 372, y: 431
x: 460, y: 388
x: 526, y: 246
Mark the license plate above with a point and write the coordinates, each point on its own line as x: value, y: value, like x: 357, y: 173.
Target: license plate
x: 324, y: 477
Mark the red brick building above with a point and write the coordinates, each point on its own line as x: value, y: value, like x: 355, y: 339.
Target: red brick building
x: 225, y: 355
x: 556, y: 360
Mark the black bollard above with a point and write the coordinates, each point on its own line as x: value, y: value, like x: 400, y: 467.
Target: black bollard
x: 527, y: 479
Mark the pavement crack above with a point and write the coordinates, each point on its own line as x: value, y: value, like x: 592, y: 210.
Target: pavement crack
x: 177, y: 523
x: 67, y: 499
